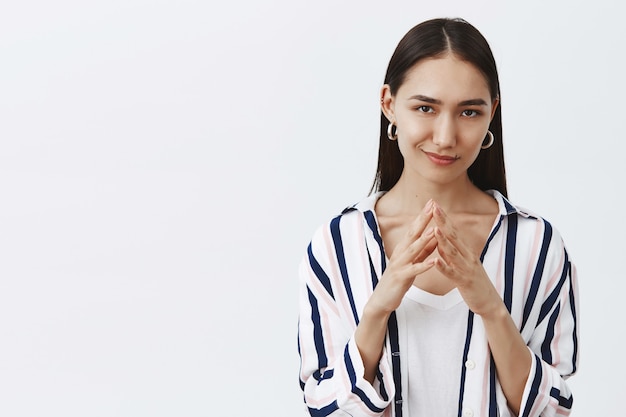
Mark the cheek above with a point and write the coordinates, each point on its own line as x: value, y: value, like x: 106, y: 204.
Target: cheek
x: 474, y: 135
x: 410, y: 142
x: 473, y: 145
x: 475, y: 152
x: 475, y: 140
x: 413, y: 133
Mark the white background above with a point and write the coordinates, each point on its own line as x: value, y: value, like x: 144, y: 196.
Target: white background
x: 163, y: 165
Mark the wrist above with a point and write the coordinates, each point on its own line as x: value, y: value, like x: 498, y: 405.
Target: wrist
x: 374, y: 313
x: 496, y: 312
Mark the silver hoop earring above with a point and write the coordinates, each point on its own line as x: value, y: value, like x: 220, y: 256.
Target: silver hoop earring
x: 491, y: 140
x: 390, y: 134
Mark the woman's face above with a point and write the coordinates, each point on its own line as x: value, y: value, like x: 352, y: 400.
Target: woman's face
x: 442, y: 112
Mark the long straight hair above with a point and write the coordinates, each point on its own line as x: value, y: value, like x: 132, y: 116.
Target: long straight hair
x: 431, y: 39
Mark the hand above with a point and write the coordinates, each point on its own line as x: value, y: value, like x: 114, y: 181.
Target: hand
x: 458, y: 263
x: 407, y: 261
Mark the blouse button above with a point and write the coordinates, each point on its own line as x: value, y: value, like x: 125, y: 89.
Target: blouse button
x: 470, y: 364
x: 468, y: 413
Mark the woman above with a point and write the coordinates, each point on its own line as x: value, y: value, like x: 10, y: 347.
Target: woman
x: 436, y: 296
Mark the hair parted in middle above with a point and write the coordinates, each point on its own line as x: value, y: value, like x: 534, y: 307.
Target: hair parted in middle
x: 431, y: 39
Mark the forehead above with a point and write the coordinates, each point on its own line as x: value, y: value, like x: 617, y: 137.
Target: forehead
x: 445, y: 77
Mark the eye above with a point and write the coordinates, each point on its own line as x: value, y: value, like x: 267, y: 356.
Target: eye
x: 470, y: 113
x: 425, y: 109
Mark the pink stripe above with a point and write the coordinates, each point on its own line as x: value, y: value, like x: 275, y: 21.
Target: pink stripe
x: 557, y: 274
x: 364, y: 259
x: 542, y: 391
x: 328, y: 339
x: 362, y: 406
x: 553, y: 404
x: 500, y: 271
x: 532, y: 261
x: 484, y: 404
x: 342, y: 298
x: 556, y: 358
x: 319, y: 402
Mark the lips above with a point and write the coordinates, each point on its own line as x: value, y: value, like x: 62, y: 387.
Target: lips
x: 441, y: 159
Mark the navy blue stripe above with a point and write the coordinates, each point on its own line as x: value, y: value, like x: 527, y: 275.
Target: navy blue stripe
x: 392, y: 329
x: 468, y: 337
x: 573, y: 307
x: 493, y: 402
x: 319, y: 272
x: 563, y: 402
x: 493, y: 233
x: 546, y: 353
x: 318, y: 337
x: 470, y: 324
x: 371, y: 222
x: 553, y: 297
x: 383, y: 390
x: 534, y: 388
x: 323, y: 412
x: 509, y: 207
x: 538, y: 274
x: 509, y: 261
x: 392, y: 323
x: 373, y: 274
x: 341, y: 260
x: 356, y: 390
x: 300, y: 356
x: 328, y: 373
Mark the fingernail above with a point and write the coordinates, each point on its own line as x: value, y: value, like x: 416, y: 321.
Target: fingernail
x: 429, y: 205
x: 429, y: 232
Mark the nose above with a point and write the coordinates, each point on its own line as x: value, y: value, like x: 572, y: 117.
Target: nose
x: 444, y: 132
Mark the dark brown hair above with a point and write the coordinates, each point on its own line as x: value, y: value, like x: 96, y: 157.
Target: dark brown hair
x: 430, y: 39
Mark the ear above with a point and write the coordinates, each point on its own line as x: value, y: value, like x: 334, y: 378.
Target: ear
x: 494, y: 105
x: 387, y: 103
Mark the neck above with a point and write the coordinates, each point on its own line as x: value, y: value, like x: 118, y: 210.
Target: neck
x: 411, y: 195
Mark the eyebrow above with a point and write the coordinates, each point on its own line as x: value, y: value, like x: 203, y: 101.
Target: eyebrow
x: 471, y: 102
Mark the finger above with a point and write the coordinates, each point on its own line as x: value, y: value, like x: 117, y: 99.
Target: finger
x: 416, y: 228
x: 444, y: 268
x: 421, y: 267
x: 428, y: 249
x: 447, y: 250
x: 418, y: 246
x: 441, y: 218
x: 447, y: 228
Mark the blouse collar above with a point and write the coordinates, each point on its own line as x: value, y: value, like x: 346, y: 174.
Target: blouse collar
x: 505, y: 207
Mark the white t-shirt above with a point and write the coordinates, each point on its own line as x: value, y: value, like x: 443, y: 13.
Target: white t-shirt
x: 433, y: 344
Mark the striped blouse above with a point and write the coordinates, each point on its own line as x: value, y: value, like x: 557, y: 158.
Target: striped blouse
x: 529, y: 266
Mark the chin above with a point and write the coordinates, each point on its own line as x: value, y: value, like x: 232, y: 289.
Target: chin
x: 438, y: 177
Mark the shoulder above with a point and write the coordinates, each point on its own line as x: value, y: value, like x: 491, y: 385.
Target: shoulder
x: 509, y: 208
x: 529, y: 225
x: 349, y: 222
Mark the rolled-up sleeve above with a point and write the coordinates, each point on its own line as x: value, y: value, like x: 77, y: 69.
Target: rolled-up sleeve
x: 554, y: 342
x: 331, y: 368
